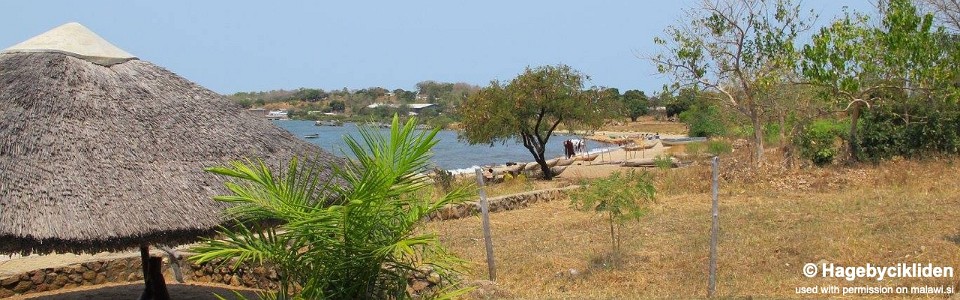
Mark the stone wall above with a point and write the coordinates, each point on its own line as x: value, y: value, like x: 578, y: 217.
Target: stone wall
x: 502, y: 203
x: 128, y: 269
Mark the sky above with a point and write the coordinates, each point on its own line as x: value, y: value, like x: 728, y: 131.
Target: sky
x: 232, y: 46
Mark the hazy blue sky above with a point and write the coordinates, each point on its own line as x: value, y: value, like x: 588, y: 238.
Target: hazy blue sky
x: 231, y: 46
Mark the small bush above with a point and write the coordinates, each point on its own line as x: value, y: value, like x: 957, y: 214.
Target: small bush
x: 718, y: 147
x: 694, y: 149
x: 621, y: 197
x: 663, y: 162
x: 821, y: 141
x: 703, y: 121
x: 443, y: 179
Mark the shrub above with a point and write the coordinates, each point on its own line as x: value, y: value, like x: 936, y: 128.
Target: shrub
x: 703, y: 121
x: 821, y: 141
x: 884, y: 133
x: 693, y: 149
x: 718, y: 147
x: 621, y: 197
x: 663, y: 162
x: 358, y: 240
x: 443, y: 179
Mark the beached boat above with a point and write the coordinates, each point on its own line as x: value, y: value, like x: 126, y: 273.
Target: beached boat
x: 681, y: 141
x: 531, y: 166
x: 312, y: 136
x: 557, y: 170
x: 563, y: 162
x: 553, y: 162
x: 648, y: 163
x: 588, y: 157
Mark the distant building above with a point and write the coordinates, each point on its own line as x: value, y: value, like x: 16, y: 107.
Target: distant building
x: 415, y: 109
x: 277, y: 115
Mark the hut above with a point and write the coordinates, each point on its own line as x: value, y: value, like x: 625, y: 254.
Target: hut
x: 101, y: 151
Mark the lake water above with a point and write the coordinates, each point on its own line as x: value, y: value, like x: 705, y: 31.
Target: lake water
x: 449, y: 153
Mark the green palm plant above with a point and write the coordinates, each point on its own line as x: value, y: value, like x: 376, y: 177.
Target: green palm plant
x: 352, y: 237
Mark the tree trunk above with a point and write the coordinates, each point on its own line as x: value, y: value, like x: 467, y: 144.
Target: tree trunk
x: 547, y: 174
x: 757, y: 136
x: 852, y: 139
x: 783, y: 124
x: 538, y: 156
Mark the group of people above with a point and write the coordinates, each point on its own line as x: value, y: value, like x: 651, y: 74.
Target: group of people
x: 572, y: 147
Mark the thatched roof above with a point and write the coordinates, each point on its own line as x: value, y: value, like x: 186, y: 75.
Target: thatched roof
x: 75, y: 40
x: 97, y: 157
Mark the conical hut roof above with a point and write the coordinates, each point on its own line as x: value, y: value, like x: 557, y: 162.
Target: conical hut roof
x: 101, y: 156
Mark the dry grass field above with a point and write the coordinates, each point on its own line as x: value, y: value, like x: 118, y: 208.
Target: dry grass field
x: 771, y: 225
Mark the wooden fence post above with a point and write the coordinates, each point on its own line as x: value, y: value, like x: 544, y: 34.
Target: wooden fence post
x: 714, y: 230
x: 487, y: 239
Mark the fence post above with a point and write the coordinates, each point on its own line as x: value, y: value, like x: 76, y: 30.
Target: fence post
x: 714, y: 229
x: 487, y: 239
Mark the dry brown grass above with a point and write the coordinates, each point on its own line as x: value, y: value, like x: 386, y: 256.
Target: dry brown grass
x: 898, y: 212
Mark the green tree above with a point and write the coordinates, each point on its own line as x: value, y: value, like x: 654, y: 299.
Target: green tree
x: 636, y: 104
x: 529, y: 109
x: 354, y: 237
x: 337, y: 105
x: 620, y: 197
x: 736, y: 48
x: 863, y: 65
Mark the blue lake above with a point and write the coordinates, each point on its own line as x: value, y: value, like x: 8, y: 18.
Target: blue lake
x: 449, y: 153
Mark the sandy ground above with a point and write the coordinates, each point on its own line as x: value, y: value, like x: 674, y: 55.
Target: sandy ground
x: 603, y: 166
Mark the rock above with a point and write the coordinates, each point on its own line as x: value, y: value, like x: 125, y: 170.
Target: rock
x: 89, y: 275
x: 419, y: 286
x: 434, y: 278
x: 43, y: 287
x: 135, y: 276
x: 77, y: 269
x: 60, y: 280
x: 249, y: 281
x: 70, y: 285
x: 75, y: 278
x: 9, y: 281
x: 22, y: 286
x: 4, y: 293
x: 234, y: 280
x: 101, y: 279
x: 573, y: 272
x: 93, y: 266
x: 272, y: 274
x: 38, y: 277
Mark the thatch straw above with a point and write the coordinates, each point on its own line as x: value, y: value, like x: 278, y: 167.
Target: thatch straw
x: 96, y: 158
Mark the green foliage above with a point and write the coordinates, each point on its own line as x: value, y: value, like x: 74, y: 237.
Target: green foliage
x: 693, y: 149
x: 337, y: 106
x: 662, y: 161
x: 443, y: 179
x: 820, y: 142
x: 636, y: 104
x: 930, y: 130
x: 719, y: 147
x: 704, y: 120
x: 355, y: 237
x: 621, y: 197
x: 530, y: 108
x: 901, y: 58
